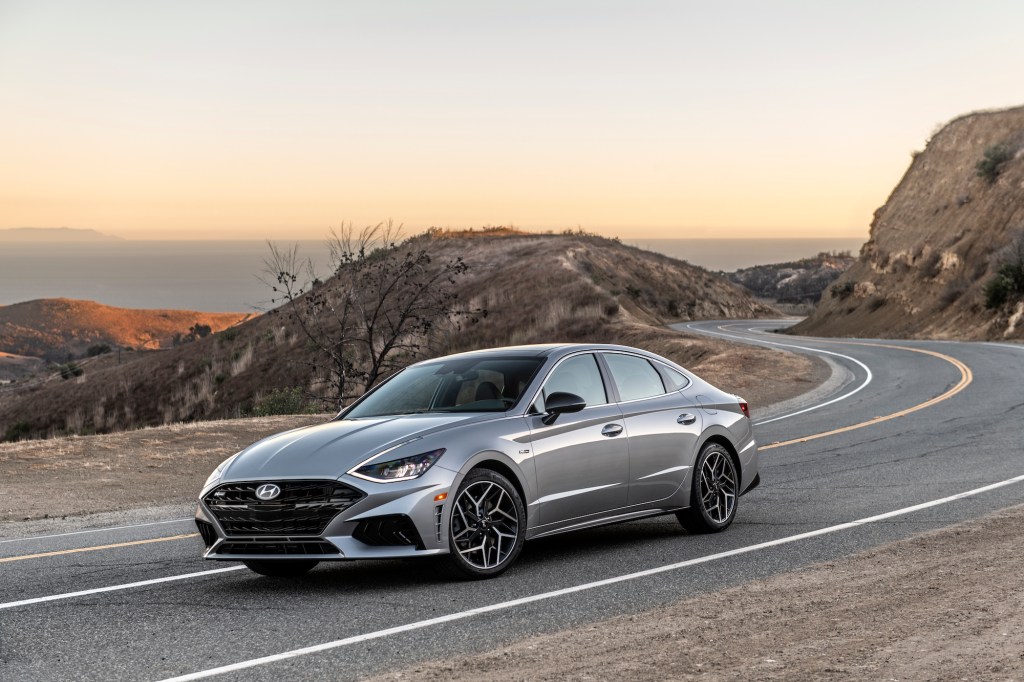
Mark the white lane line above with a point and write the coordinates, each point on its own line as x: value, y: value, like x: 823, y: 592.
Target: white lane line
x: 93, y: 530
x: 818, y: 406
x: 1014, y: 346
x: 115, y: 588
x: 419, y: 625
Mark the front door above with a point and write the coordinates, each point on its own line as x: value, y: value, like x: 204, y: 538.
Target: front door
x: 582, y: 459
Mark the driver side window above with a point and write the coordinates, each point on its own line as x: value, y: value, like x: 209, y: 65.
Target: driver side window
x: 578, y: 375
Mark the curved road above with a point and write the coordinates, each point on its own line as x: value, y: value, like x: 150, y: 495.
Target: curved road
x: 906, y: 437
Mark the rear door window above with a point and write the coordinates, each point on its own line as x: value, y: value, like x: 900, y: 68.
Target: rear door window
x: 634, y: 376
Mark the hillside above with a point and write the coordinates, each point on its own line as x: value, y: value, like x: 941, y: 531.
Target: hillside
x: 535, y: 288
x: 947, y: 239
x: 796, y: 282
x: 59, y: 328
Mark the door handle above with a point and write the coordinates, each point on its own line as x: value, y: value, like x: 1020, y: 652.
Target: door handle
x: 611, y: 430
x: 686, y: 419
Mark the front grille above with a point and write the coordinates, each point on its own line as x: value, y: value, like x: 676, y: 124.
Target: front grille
x: 302, y: 508
x: 283, y: 548
x: 396, y: 529
x: 207, y: 532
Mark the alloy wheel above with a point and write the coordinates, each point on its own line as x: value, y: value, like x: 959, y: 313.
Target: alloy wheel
x: 717, y: 486
x: 485, y: 524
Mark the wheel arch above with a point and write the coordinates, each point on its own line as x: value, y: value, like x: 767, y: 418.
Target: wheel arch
x: 501, y: 464
x: 714, y: 435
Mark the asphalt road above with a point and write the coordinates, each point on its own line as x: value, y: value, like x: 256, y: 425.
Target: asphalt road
x: 930, y: 420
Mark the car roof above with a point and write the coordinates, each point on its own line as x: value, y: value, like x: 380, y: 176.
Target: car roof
x: 542, y: 350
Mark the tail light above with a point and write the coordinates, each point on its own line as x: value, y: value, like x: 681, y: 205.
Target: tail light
x: 745, y: 409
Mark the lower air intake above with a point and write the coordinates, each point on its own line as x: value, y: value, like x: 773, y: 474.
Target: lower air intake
x: 276, y: 548
x: 396, y: 529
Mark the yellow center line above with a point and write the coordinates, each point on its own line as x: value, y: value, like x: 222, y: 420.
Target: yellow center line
x: 966, y: 377
x: 93, y: 549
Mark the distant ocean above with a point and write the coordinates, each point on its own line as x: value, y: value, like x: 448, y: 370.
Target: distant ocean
x: 223, y: 276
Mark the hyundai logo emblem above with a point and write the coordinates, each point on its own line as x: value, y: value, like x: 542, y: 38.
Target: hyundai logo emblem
x: 268, y: 491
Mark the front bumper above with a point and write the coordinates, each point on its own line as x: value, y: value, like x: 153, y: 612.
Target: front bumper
x: 390, y: 520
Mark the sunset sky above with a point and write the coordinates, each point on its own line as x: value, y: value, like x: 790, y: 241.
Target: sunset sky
x: 194, y: 120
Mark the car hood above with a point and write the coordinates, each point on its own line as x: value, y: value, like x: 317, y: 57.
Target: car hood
x: 329, y: 450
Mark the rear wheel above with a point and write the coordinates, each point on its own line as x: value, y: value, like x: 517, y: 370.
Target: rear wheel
x: 714, y: 492
x: 281, y: 568
x: 488, y: 525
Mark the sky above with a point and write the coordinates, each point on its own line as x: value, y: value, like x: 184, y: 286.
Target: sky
x: 675, y: 119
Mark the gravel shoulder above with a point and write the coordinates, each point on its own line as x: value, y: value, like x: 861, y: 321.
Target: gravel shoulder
x: 947, y: 604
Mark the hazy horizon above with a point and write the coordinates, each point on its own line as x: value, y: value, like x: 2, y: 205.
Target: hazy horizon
x: 222, y: 275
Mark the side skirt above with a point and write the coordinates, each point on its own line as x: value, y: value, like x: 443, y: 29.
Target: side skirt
x: 608, y: 520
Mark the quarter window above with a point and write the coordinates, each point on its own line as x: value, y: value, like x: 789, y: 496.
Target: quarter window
x: 634, y: 377
x: 578, y: 375
x: 674, y: 379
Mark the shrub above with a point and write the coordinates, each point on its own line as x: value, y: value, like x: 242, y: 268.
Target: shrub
x: 1008, y: 282
x: 70, y: 370
x: 17, y: 431
x: 98, y: 349
x: 282, y: 401
x: 842, y: 290
x: 992, y: 164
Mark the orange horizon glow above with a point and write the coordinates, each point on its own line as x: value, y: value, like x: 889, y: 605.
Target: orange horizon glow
x: 237, y: 120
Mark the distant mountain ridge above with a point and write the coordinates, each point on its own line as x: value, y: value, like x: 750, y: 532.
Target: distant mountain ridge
x: 56, y: 328
x: 800, y: 281
x: 53, y: 234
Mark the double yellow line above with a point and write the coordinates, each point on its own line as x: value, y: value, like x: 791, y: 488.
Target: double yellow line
x: 966, y: 377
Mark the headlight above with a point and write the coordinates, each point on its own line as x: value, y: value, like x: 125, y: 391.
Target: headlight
x: 397, y: 469
x: 215, y: 476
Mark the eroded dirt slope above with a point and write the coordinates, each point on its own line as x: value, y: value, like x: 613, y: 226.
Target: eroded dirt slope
x: 936, y: 243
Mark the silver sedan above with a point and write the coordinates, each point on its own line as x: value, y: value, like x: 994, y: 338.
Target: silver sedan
x: 471, y: 455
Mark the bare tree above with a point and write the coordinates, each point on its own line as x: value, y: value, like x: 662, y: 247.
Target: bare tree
x: 377, y: 312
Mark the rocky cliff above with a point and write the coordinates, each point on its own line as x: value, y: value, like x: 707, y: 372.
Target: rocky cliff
x: 946, y: 254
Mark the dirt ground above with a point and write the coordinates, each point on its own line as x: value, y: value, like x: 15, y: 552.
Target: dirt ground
x: 168, y: 464
x: 945, y: 605
x: 149, y: 467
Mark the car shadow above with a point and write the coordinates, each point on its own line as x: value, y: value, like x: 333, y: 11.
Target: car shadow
x: 541, y: 559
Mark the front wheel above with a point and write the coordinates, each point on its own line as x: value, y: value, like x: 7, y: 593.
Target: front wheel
x: 488, y: 525
x: 714, y: 492
x: 281, y: 568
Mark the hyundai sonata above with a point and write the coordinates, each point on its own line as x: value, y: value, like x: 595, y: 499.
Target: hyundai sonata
x: 470, y: 455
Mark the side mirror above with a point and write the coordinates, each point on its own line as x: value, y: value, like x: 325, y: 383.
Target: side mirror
x: 561, y: 403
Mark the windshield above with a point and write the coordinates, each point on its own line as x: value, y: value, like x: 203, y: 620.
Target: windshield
x: 463, y: 385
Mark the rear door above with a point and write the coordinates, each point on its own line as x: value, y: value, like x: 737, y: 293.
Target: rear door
x: 582, y: 459
x: 663, y: 426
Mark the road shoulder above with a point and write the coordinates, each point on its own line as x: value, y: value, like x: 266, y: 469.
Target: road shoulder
x: 945, y: 604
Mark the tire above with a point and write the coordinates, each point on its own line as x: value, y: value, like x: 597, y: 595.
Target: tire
x: 483, y: 545
x: 281, y: 568
x: 714, y: 492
